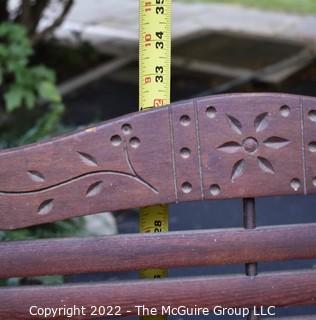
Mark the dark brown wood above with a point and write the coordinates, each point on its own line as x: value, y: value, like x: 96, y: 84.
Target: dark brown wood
x: 249, y: 222
x: 141, y: 251
x: 109, y: 167
x: 246, y: 150
x: 227, y: 146
x: 309, y: 139
x: 303, y: 317
x: 278, y: 289
x: 249, y: 219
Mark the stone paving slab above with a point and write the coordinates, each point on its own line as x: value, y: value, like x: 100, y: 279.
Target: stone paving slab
x: 100, y: 21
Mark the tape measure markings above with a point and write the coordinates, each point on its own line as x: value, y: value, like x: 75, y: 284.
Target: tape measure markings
x: 154, y: 86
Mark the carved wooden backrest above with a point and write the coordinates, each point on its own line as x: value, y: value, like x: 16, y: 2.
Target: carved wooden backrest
x: 219, y: 147
x: 227, y: 146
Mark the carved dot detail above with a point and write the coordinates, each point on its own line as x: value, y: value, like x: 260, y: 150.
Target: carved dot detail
x: 116, y: 140
x: 211, y: 112
x: 285, y: 111
x: 312, y: 115
x: 312, y: 146
x: 295, y: 184
x: 314, y: 181
x: 126, y: 128
x: 186, y: 187
x: 215, y: 190
x: 250, y: 144
x: 134, y: 142
x: 185, y: 120
x: 185, y: 153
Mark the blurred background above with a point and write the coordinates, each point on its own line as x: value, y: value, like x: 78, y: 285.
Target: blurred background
x: 66, y: 64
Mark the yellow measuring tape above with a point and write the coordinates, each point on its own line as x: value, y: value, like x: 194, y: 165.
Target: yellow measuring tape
x: 154, y: 91
x: 154, y: 53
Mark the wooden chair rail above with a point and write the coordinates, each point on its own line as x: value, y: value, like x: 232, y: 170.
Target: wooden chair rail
x: 227, y: 146
x: 279, y: 289
x: 141, y: 251
x: 305, y: 317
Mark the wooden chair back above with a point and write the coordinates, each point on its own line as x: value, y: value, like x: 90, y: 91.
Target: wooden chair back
x: 219, y: 147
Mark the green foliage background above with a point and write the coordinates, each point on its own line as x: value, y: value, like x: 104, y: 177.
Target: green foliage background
x: 30, y: 105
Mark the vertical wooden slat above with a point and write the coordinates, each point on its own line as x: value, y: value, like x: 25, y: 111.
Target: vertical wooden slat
x: 249, y: 222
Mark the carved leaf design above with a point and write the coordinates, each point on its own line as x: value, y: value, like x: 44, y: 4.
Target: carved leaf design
x: 230, y: 147
x: 45, y: 207
x: 238, y: 169
x: 312, y: 146
x: 276, y: 142
x: 234, y: 124
x: 265, y: 165
x: 94, y: 189
x: 36, y: 176
x: 87, y: 159
x: 261, y: 121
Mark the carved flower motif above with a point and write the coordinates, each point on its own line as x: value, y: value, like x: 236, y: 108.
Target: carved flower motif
x: 250, y: 145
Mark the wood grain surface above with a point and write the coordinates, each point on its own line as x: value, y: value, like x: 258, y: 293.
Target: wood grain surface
x: 305, y: 317
x: 227, y: 146
x: 142, y: 251
x: 277, y: 289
